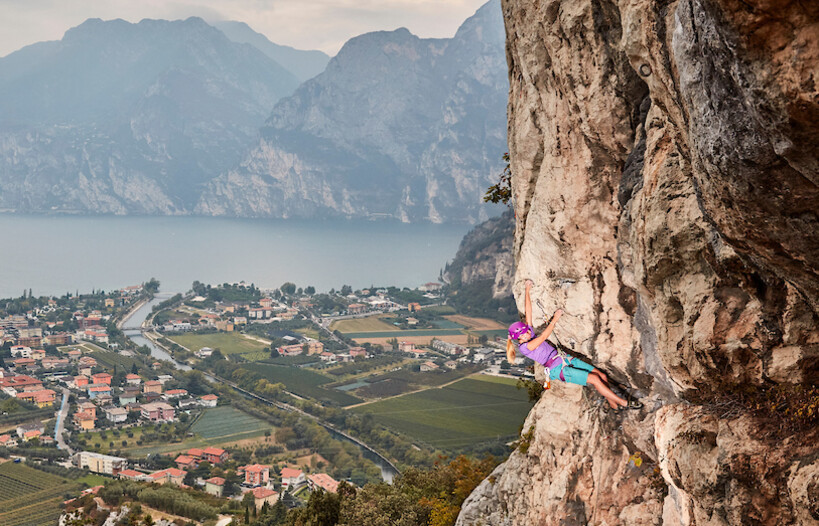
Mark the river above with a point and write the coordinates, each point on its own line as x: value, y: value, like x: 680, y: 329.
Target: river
x: 131, y: 327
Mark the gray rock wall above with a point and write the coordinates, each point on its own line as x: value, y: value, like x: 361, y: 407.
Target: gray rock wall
x: 666, y: 188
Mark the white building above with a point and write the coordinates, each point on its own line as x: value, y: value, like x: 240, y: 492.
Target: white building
x: 99, y: 463
x: 21, y: 351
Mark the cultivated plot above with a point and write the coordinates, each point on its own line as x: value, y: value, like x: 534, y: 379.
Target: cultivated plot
x: 30, y: 497
x: 467, y: 412
x: 303, y: 383
x: 226, y: 342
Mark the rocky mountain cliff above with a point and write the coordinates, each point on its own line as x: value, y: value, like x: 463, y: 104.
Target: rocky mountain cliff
x: 666, y: 184
x: 129, y: 118
x: 396, y: 126
x: 481, y: 274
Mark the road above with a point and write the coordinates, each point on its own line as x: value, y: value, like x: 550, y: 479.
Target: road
x: 62, y: 414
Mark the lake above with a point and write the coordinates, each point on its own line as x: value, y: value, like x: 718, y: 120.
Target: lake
x: 53, y: 255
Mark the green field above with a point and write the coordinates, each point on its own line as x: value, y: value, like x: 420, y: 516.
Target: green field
x: 217, y: 426
x: 370, y: 324
x: 471, y: 411
x: 30, y: 497
x: 403, y: 334
x: 304, y: 382
x: 110, y: 359
x: 226, y: 342
x: 223, y: 422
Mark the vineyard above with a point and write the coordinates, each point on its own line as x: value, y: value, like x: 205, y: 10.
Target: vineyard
x: 29, y: 497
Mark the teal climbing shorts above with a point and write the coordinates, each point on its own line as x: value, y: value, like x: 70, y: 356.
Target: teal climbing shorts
x: 575, y: 371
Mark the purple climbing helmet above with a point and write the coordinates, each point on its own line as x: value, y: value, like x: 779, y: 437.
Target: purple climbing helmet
x: 518, y: 329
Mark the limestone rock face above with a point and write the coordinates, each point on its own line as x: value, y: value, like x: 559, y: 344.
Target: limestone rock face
x: 666, y: 186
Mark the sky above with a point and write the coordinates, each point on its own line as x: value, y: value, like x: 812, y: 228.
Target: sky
x: 303, y: 24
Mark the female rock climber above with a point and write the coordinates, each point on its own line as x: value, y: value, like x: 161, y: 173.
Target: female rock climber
x: 569, y: 369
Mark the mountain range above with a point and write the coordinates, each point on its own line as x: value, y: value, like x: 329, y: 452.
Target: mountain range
x: 184, y: 117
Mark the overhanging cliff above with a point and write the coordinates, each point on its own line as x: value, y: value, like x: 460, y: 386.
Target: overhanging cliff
x: 666, y: 186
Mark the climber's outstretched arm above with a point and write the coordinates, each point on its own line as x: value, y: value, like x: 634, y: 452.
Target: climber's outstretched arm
x: 527, y: 302
x: 534, y: 344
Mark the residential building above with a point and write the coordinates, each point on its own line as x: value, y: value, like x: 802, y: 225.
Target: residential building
x: 74, y: 354
x: 87, y: 361
x: 327, y: 357
x: 209, y: 400
x: 186, y: 462
x: 215, y: 486
x: 131, y: 474
x: 358, y: 352
x: 127, y: 398
x: 99, y: 463
x: 323, y: 481
x: 60, y: 338
x: 38, y: 354
x: 214, y: 455
x: 96, y: 336
x: 31, y: 341
x: 152, y: 386
x: 8, y: 441
x: 42, y: 398
x: 262, y: 495
x: 451, y: 364
x: 171, y: 475
x: 21, y: 351
x: 256, y: 474
x: 158, y: 412
x: 97, y: 390
x: 175, y: 393
x: 85, y: 419
x: 290, y: 350
x: 133, y: 379
x: 23, y: 363
x: 407, y: 347
x: 49, y: 362
x: 428, y: 366
x: 357, y: 308
x: 31, y: 435
x: 292, y: 478
x: 101, y: 378
x: 11, y: 385
x: 116, y: 414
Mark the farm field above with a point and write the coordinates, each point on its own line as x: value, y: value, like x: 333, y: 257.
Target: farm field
x: 369, y: 324
x: 459, y: 338
x: 225, y: 421
x: 303, y: 382
x: 218, y: 426
x: 478, y: 324
x: 226, y: 342
x: 30, y: 497
x: 403, y: 334
x: 470, y: 411
x: 110, y: 359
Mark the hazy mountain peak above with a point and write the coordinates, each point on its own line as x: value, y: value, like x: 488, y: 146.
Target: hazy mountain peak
x: 304, y: 64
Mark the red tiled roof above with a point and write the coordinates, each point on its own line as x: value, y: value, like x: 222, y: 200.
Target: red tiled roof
x: 216, y: 481
x: 214, y: 451
x: 263, y: 493
x: 253, y: 468
x: 288, y: 473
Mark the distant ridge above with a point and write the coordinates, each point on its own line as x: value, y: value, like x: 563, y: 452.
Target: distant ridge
x: 303, y: 64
